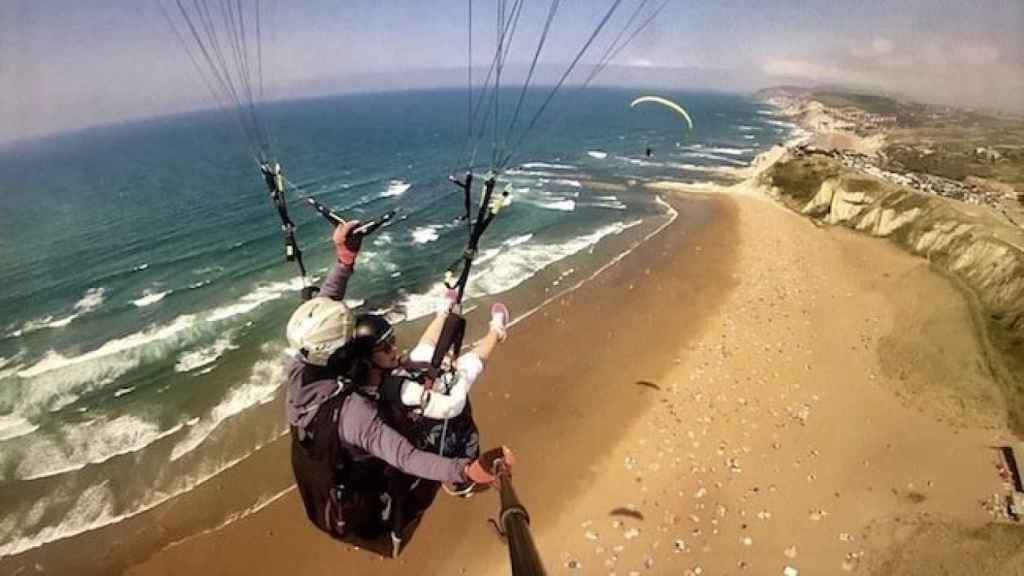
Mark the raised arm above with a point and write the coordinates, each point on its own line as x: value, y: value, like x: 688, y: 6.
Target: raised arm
x: 346, y: 246
x: 441, y: 405
x: 336, y: 284
x: 433, y: 331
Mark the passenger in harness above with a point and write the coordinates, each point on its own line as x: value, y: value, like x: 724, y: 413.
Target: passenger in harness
x: 435, y: 414
x: 342, y: 450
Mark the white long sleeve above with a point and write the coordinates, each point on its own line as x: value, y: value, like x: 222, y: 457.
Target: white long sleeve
x: 442, y: 405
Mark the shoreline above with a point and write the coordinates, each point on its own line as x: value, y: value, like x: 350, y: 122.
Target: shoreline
x: 746, y: 389
x: 879, y: 485
x: 171, y: 519
x: 503, y: 408
x: 793, y: 375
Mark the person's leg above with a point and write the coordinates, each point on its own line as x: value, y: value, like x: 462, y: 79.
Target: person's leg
x: 497, y: 332
x: 433, y: 332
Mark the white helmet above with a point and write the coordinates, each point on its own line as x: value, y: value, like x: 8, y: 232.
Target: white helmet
x: 318, y: 328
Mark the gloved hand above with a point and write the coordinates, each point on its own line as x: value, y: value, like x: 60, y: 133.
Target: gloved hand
x: 345, y: 244
x: 484, y: 470
x: 499, y: 320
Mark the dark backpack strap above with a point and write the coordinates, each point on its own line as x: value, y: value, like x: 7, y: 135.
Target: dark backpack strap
x: 320, y: 464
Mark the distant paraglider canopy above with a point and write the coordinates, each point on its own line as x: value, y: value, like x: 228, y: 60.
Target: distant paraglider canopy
x: 664, y: 102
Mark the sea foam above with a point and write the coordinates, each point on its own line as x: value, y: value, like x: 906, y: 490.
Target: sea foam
x: 257, y: 297
x: 505, y: 269
x: 81, y: 445
x: 543, y: 165
x: 395, y: 188
x: 260, y: 388
x: 563, y: 205
x: 91, y: 300
x: 14, y: 425
x: 149, y: 297
x: 425, y: 234
x: 194, y: 359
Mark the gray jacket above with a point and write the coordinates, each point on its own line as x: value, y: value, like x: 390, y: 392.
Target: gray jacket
x: 360, y: 427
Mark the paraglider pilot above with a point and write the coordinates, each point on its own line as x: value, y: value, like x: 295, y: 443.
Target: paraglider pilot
x: 341, y: 448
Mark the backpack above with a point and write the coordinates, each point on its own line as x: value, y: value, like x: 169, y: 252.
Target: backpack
x: 340, y: 495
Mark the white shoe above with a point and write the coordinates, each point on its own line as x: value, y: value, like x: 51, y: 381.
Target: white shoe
x: 499, y: 320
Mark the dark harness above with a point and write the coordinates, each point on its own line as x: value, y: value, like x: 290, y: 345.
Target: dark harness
x: 340, y: 491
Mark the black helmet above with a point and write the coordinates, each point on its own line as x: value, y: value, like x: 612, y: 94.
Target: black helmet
x: 371, y: 331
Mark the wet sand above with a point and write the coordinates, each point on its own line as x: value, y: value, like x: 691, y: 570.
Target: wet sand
x: 737, y: 396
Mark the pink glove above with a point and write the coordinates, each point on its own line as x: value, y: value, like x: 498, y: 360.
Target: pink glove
x: 346, y: 245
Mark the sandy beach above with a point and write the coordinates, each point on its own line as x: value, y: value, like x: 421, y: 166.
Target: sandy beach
x: 753, y: 394
x: 760, y: 268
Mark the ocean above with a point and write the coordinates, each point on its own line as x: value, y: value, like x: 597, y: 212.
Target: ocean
x: 144, y: 289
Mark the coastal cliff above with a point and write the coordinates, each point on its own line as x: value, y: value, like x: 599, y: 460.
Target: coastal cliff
x: 969, y: 243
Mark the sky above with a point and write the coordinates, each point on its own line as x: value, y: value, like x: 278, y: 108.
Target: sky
x: 70, y: 64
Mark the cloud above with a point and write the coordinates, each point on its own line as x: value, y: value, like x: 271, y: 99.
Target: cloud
x: 978, y: 53
x: 946, y: 71
x: 807, y: 70
x: 641, y: 63
x: 881, y: 45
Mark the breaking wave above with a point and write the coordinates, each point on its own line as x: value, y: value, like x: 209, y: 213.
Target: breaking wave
x: 503, y: 270
x: 395, y: 188
x: 600, y: 155
x: 609, y: 201
x: 95, y: 508
x: 57, y: 380
x: 730, y: 151
x: 260, y: 295
x: 542, y: 165
x: 54, y: 360
x: 149, y: 298
x: 261, y: 387
x: 14, y: 426
x: 567, y: 205
x: 517, y: 240
x: 79, y: 446
x: 194, y: 359
x: 711, y: 156
x: 567, y: 182
x: 91, y: 300
x: 425, y: 234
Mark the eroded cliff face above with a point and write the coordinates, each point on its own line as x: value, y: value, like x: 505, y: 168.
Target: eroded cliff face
x: 970, y: 243
x: 974, y: 245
